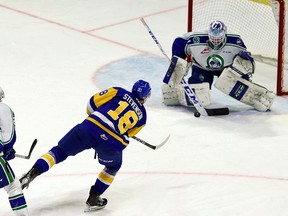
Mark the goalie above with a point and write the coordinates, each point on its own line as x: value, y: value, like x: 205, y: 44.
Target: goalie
x: 214, y: 53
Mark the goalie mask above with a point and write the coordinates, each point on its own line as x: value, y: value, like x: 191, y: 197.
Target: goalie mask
x: 142, y: 90
x: 2, y: 95
x: 217, y: 34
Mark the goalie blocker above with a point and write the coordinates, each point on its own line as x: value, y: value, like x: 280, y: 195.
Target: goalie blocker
x: 234, y: 81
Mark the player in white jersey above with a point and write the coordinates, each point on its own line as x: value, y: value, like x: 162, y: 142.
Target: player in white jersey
x: 214, y: 54
x: 8, y: 181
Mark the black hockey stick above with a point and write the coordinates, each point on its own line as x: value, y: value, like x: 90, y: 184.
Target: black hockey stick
x: 30, y: 151
x: 155, y: 147
x: 201, y: 110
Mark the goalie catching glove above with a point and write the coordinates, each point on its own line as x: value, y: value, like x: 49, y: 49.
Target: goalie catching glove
x: 244, y: 65
x: 235, y: 82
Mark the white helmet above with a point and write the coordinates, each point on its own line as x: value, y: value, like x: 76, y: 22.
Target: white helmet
x: 2, y: 95
x: 217, y: 34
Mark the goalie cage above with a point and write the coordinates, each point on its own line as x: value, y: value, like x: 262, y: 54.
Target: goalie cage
x: 262, y: 27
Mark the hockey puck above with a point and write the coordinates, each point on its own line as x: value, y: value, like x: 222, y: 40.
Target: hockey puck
x: 197, y: 114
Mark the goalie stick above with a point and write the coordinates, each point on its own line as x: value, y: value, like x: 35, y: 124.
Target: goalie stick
x: 155, y: 147
x: 188, y: 91
x: 30, y: 151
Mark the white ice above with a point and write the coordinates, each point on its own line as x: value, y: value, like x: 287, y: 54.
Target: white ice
x: 55, y: 54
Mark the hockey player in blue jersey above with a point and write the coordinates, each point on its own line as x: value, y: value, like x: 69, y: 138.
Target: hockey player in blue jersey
x: 8, y: 181
x: 114, y: 115
x: 215, y: 53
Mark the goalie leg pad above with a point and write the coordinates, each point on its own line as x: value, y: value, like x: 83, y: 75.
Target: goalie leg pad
x: 173, y: 96
x: 169, y: 95
x: 265, y: 101
x: 244, y: 91
x: 201, y: 90
x: 177, y: 70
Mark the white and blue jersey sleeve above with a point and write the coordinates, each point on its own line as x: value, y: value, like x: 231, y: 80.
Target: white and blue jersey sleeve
x: 7, y: 128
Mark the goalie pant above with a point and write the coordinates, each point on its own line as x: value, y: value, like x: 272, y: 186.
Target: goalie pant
x: 230, y: 83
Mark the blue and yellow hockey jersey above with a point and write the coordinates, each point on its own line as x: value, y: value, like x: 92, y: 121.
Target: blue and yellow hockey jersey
x: 117, y: 112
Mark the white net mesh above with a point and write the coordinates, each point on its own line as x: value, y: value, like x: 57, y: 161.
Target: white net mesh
x: 257, y: 25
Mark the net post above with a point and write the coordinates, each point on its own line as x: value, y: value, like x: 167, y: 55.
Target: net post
x: 281, y: 48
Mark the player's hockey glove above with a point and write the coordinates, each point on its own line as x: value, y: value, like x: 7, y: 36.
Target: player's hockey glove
x: 9, y: 155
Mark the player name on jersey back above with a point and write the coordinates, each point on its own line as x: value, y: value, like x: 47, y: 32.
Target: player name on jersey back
x: 134, y: 105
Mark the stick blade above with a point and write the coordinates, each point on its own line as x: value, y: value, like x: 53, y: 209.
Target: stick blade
x: 217, y: 111
x: 32, y: 147
x: 21, y: 156
x: 30, y: 151
x: 163, y: 143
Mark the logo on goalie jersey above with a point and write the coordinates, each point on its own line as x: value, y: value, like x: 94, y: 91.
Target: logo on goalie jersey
x: 196, y: 40
x: 239, y: 41
x: 204, y: 51
x: 215, y: 62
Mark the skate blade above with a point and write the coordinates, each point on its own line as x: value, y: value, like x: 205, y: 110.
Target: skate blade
x: 24, y: 184
x: 93, y: 208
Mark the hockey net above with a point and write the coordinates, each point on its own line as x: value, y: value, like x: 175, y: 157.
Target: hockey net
x: 261, y: 24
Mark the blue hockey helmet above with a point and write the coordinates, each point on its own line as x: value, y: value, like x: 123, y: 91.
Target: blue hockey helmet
x: 217, y: 34
x: 141, y: 89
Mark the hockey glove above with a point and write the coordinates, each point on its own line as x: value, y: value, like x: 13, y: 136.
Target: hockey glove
x: 243, y: 64
x: 9, y: 155
x: 246, y: 55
